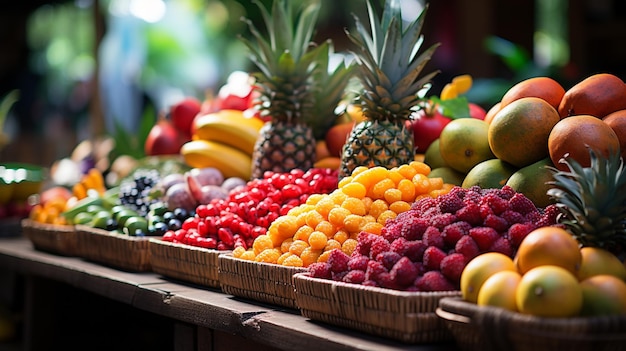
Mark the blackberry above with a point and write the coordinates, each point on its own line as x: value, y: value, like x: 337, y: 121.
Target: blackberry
x: 135, y: 190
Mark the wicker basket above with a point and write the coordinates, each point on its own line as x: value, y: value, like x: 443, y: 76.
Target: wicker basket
x: 53, y: 238
x: 121, y: 251
x: 185, y: 262
x: 264, y: 282
x: 405, y: 316
x: 488, y: 328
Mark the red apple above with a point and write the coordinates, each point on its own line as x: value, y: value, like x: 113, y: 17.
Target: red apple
x: 237, y: 94
x: 163, y: 139
x: 427, y: 125
x: 336, y: 137
x: 182, y: 114
x: 476, y: 111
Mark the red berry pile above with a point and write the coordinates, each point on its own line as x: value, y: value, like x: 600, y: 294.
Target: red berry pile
x: 427, y: 247
x: 248, y: 210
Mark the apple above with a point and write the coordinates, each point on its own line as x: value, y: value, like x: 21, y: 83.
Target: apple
x: 183, y: 113
x: 238, y: 93
x: 427, y: 125
x: 476, y: 111
x: 163, y: 139
x: 336, y: 137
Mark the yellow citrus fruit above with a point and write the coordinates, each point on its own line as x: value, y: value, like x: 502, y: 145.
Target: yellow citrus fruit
x: 548, y: 246
x: 463, y: 143
x: 596, y: 261
x: 533, y: 181
x: 603, y: 295
x: 549, y: 291
x: 492, y: 173
x: 518, y: 133
x: 499, y: 290
x: 479, y: 269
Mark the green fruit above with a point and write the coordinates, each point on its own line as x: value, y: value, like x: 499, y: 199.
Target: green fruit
x: 489, y: 174
x: 100, y: 219
x: 82, y: 218
x: 448, y: 175
x: 93, y: 209
x: 124, y: 215
x: 532, y: 181
x: 432, y: 156
x: 133, y: 224
x: 158, y: 208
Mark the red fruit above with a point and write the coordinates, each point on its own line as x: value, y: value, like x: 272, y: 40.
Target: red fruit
x: 163, y: 139
x: 403, y: 272
x: 452, y: 266
x: 183, y: 113
x: 476, y: 111
x: 427, y: 126
x: 237, y: 94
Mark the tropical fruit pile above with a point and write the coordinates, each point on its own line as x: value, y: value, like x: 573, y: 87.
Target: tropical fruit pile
x: 550, y: 276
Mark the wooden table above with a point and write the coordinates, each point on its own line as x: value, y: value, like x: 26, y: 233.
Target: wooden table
x: 70, y: 303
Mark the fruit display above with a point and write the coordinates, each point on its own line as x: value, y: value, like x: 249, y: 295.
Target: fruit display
x: 18, y: 181
x: 363, y: 201
x: 427, y: 247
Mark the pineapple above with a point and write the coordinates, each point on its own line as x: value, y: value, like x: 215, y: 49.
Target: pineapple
x: 286, y: 60
x: 389, y: 73
x: 592, y: 200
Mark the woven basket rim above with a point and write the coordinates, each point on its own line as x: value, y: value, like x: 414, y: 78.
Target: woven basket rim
x: 229, y: 256
x: 29, y: 223
x: 103, y: 232
x: 160, y: 241
x: 456, y: 306
x: 375, y: 289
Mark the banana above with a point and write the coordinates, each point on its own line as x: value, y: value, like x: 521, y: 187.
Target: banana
x: 231, y: 161
x: 230, y: 127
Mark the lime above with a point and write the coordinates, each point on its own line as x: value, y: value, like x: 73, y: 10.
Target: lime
x: 135, y: 224
x: 100, y: 219
x: 124, y: 215
x: 82, y: 218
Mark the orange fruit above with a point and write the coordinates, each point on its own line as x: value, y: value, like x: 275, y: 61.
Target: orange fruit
x: 545, y: 88
x: 499, y: 290
x: 603, y: 295
x: 479, y: 269
x: 549, y: 291
x: 492, y: 112
x: 548, y: 246
x: 575, y: 134
x: 617, y: 121
x: 518, y: 133
x: 597, y: 95
x: 463, y: 143
x: 597, y: 261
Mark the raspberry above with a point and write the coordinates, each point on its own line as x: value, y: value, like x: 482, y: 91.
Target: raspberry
x: 413, y: 228
x: 496, y: 222
x: 415, y: 250
x: 449, y: 203
x: 433, y: 281
x: 454, y: 231
x: 442, y: 220
x: 384, y: 280
x: 520, y: 203
x: 403, y: 273
x: 364, y: 243
x: 532, y: 217
x: 424, y: 204
x: 374, y: 269
x: 338, y: 261
x: 549, y: 216
x: 432, y: 237
x: 399, y: 245
x: 496, y: 203
x: 388, y: 258
x: 470, y: 214
x: 452, y: 266
x: 354, y: 277
x: 320, y: 270
x: 392, y: 229
x: 378, y: 245
x: 484, y: 237
x: 473, y: 195
x: 506, y: 192
x: 518, y: 231
x: 502, y: 245
x: 467, y: 247
x: 433, y: 257
x: 512, y: 217
x: 369, y: 283
x: 358, y: 262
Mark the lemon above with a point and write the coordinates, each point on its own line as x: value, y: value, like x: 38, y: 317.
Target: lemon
x: 479, y: 269
x: 499, y: 290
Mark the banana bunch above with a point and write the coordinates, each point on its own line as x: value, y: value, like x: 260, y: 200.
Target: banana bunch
x: 225, y: 140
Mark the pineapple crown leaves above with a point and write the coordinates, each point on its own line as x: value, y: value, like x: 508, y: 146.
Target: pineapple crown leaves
x: 590, y: 198
x: 389, y: 61
x: 286, y: 57
x: 329, y: 89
